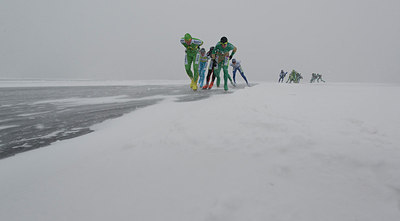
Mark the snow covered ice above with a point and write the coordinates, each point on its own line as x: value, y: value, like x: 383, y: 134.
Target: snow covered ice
x: 304, y: 152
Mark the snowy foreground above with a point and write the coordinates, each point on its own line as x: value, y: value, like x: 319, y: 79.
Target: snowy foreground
x: 306, y: 152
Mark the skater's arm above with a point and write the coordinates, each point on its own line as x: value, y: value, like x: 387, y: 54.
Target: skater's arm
x: 233, y: 51
x: 197, y: 42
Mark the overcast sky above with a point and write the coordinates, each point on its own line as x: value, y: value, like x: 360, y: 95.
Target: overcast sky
x: 345, y: 40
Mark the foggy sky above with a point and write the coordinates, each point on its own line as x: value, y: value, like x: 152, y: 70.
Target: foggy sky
x: 345, y: 40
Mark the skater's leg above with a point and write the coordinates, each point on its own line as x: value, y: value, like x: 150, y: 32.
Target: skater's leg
x: 234, y: 75
x: 188, y: 64
x: 212, y: 81
x: 226, y: 76
x: 217, y: 72
x: 196, y: 67
x: 210, y: 71
x: 201, y: 73
x: 208, y: 76
x: 226, y: 73
x: 244, y: 77
x: 230, y: 80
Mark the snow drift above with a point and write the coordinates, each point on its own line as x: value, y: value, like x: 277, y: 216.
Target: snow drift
x: 270, y: 152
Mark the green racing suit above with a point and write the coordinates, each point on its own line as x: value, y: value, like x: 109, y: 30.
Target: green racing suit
x: 192, y: 56
x: 222, y: 57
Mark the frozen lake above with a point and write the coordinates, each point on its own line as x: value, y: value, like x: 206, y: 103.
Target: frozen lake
x: 33, y: 117
x: 303, y: 152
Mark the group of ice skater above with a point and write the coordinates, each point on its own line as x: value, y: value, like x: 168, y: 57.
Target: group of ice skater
x: 219, y: 59
x: 295, y: 77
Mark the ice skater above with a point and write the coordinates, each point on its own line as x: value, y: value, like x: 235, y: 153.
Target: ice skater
x: 237, y: 67
x: 221, y: 55
x: 313, y: 77
x: 319, y: 77
x: 192, y: 57
x: 210, y: 73
x: 294, y: 77
x: 282, y: 76
x: 202, y: 66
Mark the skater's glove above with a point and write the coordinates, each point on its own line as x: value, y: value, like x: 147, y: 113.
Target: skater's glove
x: 230, y: 57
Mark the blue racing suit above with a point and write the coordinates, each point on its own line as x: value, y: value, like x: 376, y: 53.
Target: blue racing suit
x: 282, y: 76
x: 237, y: 67
x: 202, y: 68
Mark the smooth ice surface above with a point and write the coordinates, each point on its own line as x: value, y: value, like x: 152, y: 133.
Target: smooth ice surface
x: 35, y: 115
x: 304, y: 152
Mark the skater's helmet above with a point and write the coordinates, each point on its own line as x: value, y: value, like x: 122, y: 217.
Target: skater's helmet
x: 202, y: 50
x: 224, y: 40
x: 187, y: 37
x: 233, y: 60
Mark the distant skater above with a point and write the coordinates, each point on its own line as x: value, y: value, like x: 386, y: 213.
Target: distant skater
x: 313, y: 77
x: 282, y: 76
x: 294, y: 76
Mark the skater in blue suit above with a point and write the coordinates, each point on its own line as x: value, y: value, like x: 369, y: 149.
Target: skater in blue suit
x: 237, y: 67
x: 203, y: 65
x: 282, y: 76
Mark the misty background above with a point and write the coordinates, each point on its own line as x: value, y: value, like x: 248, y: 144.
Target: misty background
x: 345, y: 40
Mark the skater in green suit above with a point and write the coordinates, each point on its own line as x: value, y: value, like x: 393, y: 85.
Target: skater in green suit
x: 192, y: 46
x: 294, y: 77
x: 222, y: 57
